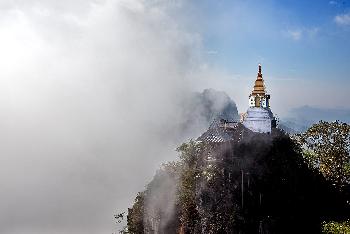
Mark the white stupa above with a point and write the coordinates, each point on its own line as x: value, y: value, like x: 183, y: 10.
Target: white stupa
x: 259, y: 117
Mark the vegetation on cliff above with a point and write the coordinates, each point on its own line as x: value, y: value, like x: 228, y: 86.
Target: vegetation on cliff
x: 260, y: 184
x: 326, y: 148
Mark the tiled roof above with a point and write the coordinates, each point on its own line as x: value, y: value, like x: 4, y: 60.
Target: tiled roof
x: 219, y: 131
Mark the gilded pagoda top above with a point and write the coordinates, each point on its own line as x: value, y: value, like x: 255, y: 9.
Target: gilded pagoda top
x: 259, y: 87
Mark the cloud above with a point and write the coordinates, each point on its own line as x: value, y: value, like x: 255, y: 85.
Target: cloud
x: 212, y: 52
x: 296, y: 35
x: 91, y: 96
x: 303, y: 32
x: 343, y: 19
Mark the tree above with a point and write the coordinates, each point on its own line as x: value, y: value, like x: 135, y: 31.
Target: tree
x: 336, y: 227
x: 119, y: 219
x: 136, y: 215
x: 326, y: 148
x: 189, y: 155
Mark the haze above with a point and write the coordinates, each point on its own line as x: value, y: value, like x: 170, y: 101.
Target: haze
x: 91, y: 99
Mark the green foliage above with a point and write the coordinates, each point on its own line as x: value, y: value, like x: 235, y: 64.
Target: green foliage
x: 136, y: 215
x: 326, y: 148
x: 172, y: 168
x: 150, y: 206
x: 336, y: 227
x: 261, y: 183
x: 189, y: 154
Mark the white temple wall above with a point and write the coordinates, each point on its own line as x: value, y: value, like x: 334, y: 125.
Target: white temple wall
x: 261, y: 126
x: 258, y: 119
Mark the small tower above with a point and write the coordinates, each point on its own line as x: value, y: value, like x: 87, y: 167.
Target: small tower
x: 259, y: 117
x: 258, y: 97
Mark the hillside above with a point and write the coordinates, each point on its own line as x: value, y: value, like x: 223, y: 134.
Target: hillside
x: 256, y: 183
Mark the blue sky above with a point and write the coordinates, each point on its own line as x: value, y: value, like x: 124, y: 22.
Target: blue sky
x: 302, y: 37
x: 306, y: 41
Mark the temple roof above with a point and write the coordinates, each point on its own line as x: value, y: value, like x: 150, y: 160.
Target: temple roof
x: 216, y: 133
x: 259, y: 87
x: 222, y: 131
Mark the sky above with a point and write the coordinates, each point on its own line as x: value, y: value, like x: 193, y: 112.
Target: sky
x: 303, y: 46
x: 92, y: 92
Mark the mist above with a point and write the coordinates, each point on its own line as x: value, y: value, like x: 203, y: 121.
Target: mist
x: 91, y: 99
x: 96, y: 94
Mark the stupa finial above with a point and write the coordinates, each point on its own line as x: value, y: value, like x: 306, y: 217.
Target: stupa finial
x: 259, y: 73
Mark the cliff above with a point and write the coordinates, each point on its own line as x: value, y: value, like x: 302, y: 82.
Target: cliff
x: 255, y: 183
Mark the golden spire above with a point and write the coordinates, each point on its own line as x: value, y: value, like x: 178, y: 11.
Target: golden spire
x: 259, y: 73
x: 259, y: 87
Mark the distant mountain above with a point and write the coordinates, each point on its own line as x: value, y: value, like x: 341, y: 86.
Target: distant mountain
x: 292, y: 126
x: 213, y: 104
x: 202, y: 108
x: 301, y: 118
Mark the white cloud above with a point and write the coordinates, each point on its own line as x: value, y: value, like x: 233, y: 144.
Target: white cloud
x: 302, y: 32
x: 90, y: 104
x: 343, y: 19
x: 296, y: 35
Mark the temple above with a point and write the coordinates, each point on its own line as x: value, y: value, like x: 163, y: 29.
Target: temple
x: 259, y: 117
x: 258, y: 97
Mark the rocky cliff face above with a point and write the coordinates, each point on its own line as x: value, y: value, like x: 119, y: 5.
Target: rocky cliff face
x: 257, y: 183
x: 201, y: 109
x: 231, y: 180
